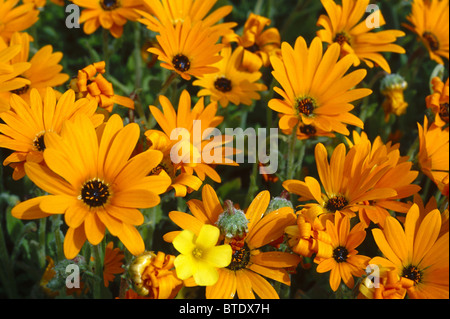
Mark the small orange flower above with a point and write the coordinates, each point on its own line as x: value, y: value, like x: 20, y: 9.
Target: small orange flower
x: 438, y: 101
x: 434, y: 153
x: 389, y: 285
x: 309, y: 236
x: 154, y: 276
x: 91, y: 84
x: 344, y: 261
x: 112, y: 265
x: 259, y: 43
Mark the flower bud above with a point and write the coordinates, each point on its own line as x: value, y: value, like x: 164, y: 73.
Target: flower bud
x: 232, y: 222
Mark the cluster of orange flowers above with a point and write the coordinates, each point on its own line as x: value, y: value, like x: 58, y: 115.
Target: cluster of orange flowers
x: 94, y: 171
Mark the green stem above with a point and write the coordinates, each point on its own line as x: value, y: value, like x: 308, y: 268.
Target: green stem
x: 56, y: 220
x: 42, y: 244
x: 106, y: 51
x: 290, y: 169
x: 252, y: 187
x: 138, y: 69
x: 168, y: 82
x: 6, y: 271
x: 97, y: 254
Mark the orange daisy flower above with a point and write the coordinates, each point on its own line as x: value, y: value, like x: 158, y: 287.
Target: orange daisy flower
x: 343, y: 25
x: 187, y: 132
x: 45, y: 70
x: 315, y: 90
x: 433, y: 154
x: 438, y: 101
x: 416, y: 252
x: 158, y: 14
x: 398, y: 177
x: 344, y: 262
x: 258, y: 43
x: 92, y: 180
x: 16, y: 18
x: 429, y: 21
x: 109, y: 14
x: 188, y: 49
x: 26, y: 124
x: 9, y: 72
x: 347, y: 180
x: 112, y: 263
x: 230, y: 83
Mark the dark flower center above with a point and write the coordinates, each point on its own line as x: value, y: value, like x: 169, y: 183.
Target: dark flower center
x: 305, y: 106
x: 223, y: 84
x: 95, y: 193
x: 253, y: 48
x: 413, y: 273
x: 336, y: 203
x: 432, y: 40
x: 443, y: 112
x: 341, y: 38
x: 308, y: 130
x: 340, y: 254
x: 21, y: 90
x: 240, y: 257
x: 181, y: 63
x: 109, y: 4
x: 38, y: 142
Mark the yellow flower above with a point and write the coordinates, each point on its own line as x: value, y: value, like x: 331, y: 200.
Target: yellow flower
x: 230, y: 83
x: 191, y: 128
x: 343, y: 25
x: 153, y: 276
x: 438, y: 101
x: 259, y: 43
x: 28, y: 123
x: 45, y: 70
x: 344, y: 262
x: 314, y: 88
x: 109, y: 14
x: 430, y: 22
x: 16, y: 18
x: 347, y: 180
x: 416, y: 253
x: 9, y: 71
x: 200, y: 256
x: 157, y: 14
x: 112, y: 263
x: 433, y: 154
x: 392, y: 87
x: 91, y: 84
x: 96, y: 185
